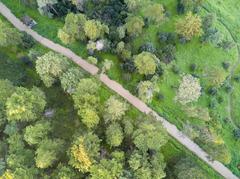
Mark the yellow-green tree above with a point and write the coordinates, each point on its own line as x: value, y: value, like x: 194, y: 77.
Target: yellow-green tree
x: 73, y: 28
x: 146, y: 63
x: 95, y: 29
x: 8, y: 35
x: 134, y: 25
x: 50, y: 67
x: 84, y: 152
x: 25, y: 105
x: 154, y: 12
x: 189, y: 26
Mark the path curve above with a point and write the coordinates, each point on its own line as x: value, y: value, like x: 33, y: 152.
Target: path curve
x: 141, y: 106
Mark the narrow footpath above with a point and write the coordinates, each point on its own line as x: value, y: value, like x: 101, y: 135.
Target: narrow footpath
x: 116, y: 87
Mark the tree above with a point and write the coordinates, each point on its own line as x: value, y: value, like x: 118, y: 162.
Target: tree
x: 216, y: 77
x: 115, y: 109
x: 190, y: 26
x: 70, y: 79
x: 95, y: 29
x: 146, y: 63
x: 65, y: 172
x: 84, y: 152
x: 50, y: 67
x: 145, y: 91
x: 25, y: 105
x: 133, y: 4
x: 189, y: 90
x: 114, y: 135
x: 85, y: 98
x: 147, y: 167
x: 9, y: 36
x: 134, y: 25
x: 149, y: 135
x: 106, y: 169
x: 34, y: 134
x: 89, y: 117
x: 7, y: 89
x: 45, y: 7
x: 186, y: 168
x: 73, y: 28
x: 24, y: 172
x: 48, y: 152
x: 7, y: 175
x: 154, y: 12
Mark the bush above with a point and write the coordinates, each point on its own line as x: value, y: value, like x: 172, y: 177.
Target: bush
x: 27, y: 41
x: 167, y: 53
x: 148, y: 47
x: 167, y: 37
x: 236, y: 133
x: 175, y: 69
x: 26, y: 60
x: 128, y: 66
x: 226, y: 65
x: 193, y: 67
x: 212, y: 91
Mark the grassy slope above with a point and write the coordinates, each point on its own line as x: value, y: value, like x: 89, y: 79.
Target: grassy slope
x: 64, y: 111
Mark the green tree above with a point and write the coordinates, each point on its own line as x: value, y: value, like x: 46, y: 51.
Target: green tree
x: 147, y: 167
x: 9, y: 36
x: 190, y: 26
x: 154, y: 12
x: 65, y: 172
x: 70, y: 79
x: 7, y: 89
x: 73, y: 28
x: 87, y: 101
x: 149, y: 135
x: 26, y: 172
x: 134, y: 25
x: 84, y: 152
x: 89, y: 117
x: 133, y: 4
x: 95, y: 29
x: 115, y: 109
x: 146, y: 63
x: 114, y: 135
x: 50, y: 67
x: 48, y: 152
x: 106, y: 169
x: 25, y: 105
x: 34, y: 134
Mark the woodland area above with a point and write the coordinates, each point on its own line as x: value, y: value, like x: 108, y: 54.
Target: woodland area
x: 178, y: 56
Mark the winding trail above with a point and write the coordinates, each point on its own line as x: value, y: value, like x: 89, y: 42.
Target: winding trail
x: 141, y: 106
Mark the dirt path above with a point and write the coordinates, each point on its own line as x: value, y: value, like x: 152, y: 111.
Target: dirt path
x: 141, y: 106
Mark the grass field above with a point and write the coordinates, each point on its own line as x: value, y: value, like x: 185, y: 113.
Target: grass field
x: 205, y: 56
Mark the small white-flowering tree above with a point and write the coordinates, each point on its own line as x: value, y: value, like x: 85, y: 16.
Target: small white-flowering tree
x: 189, y: 90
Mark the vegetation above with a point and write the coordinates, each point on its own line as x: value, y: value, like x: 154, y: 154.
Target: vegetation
x: 175, y: 55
